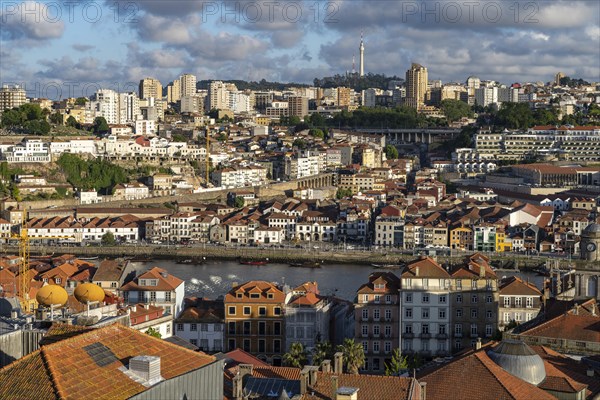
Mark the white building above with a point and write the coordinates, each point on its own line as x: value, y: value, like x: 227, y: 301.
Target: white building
x: 237, y: 177
x: 156, y: 287
x: 30, y: 150
x: 129, y: 108
x: 425, y: 309
x: 202, y: 324
x: 89, y: 197
x: 145, y: 127
x: 307, y: 316
x: 143, y: 317
x: 485, y: 96
x: 131, y: 191
x: 268, y: 235
x: 105, y: 103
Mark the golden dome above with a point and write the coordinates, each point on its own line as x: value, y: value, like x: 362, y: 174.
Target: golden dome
x: 88, y: 292
x: 52, y: 295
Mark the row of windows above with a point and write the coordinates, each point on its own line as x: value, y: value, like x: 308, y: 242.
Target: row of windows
x: 247, y: 310
x: 377, y: 297
x: 408, y: 328
x: 425, y: 298
x: 519, y: 302
x: 260, y: 348
x: 489, y: 329
x: 203, y: 327
x: 260, y: 328
x: 376, y: 330
x: 376, y: 314
x: 375, y: 346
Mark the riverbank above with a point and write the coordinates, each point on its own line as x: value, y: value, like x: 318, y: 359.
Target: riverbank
x: 287, y: 255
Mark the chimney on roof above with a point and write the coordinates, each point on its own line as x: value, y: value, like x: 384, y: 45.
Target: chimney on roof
x: 423, y: 390
x: 417, y: 271
x: 234, y: 284
x: 146, y: 369
x: 237, y: 387
x: 334, y: 383
x: 481, y: 271
x: 478, y: 344
x: 326, y: 366
x: 164, y: 274
x: 338, y: 362
x: 304, y: 381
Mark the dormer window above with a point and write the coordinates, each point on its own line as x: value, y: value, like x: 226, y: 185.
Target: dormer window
x: 270, y: 295
x: 380, y: 286
x: 254, y: 296
x: 239, y: 295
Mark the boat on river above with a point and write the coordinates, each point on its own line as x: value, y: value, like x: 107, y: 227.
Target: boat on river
x: 306, y: 264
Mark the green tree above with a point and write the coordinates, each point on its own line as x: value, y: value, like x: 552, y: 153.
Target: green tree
x: 397, y: 364
x: 80, y: 101
x: 31, y: 111
x: 296, y: 356
x: 108, y: 239
x: 342, y: 193
x: 515, y: 116
x: 354, y: 355
x: 100, y: 125
x: 72, y: 122
x: 316, y: 120
x: 178, y: 137
x: 57, y: 118
x: 153, y: 332
x: 15, y: 194
x: 300, y: 143
x: 12, y: 118
x: 239, y: 202
x: 455, y: 109
x: 322, y: 351
x: 37, y: 127
x: 391, y: 152
x: 317, y: 133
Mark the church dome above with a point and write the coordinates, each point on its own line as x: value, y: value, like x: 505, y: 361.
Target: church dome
x: 592, y: 230
x: 518, y: 359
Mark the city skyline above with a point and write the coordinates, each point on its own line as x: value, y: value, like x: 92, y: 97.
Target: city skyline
x: 222, y: 40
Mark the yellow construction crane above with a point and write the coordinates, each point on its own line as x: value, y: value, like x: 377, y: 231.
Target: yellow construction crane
x: 25, y: 280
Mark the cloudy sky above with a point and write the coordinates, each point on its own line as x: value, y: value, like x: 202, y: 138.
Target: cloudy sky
x: 66, y: 48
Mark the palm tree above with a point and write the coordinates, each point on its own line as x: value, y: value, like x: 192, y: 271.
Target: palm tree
x: 354, y: 355
x: 322, y: 351
x: 296, y: 356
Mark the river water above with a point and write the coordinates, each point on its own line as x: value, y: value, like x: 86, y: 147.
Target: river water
x: 215, y: 278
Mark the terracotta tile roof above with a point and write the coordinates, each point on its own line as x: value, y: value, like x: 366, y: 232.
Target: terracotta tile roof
x: 109, y: 270
x: 569, y: 326
x: 475, y: 376
x: 261, y: 287
x: 517, y: 286
x: 428, y: 268
x: 60, y: 366
x: 389, y: 278
x: 371, y: 387
x: 166, y: 281
x: 241, y: 357
x: 27, y: 376
x: 58, y: 332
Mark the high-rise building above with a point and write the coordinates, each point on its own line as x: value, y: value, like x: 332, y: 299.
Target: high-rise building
x: 174, y: 91
x: 297, y: 106
x: 105, y: 103
x: 416, y: 86
x: 150, y: 87
x: 345, y: 97
x: 188, y: 84
x: 485, y: 96
x: 11, y: 97
x: 129, y: 108
x: 218, y: 96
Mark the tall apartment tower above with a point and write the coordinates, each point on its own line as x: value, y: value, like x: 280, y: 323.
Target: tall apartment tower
x: 174, y: 91
x: 361, y: 48
x: 218, y: 96
x: 188, y: 85
x: 297, y: 106
x: 11, y: 97
x: 150, y: 87
x: 416, y: 86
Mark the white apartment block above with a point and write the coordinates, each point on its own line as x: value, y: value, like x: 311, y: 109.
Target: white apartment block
x: 105, y: 103
x: 425, y: 309
x: 485, y: 96
x: 145, y: 127
x: 75, y: 146
x: 237, y: 177
x: 11, y: 97
x: 129, y: 108
x: 307, y: 316
x: 266, y: 235
x: 218, y: 96
x: 202, y: 324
